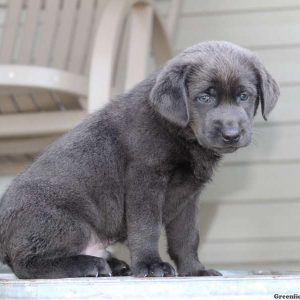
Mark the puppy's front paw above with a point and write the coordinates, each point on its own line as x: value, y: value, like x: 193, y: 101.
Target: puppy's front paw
x: 119, y: 267
x: 160, y: 269
x: 210, y: 272
x: 96, y: 267
x: 201, y: 272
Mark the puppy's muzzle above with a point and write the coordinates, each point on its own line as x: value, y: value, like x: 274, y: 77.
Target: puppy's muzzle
x: 231, y: 135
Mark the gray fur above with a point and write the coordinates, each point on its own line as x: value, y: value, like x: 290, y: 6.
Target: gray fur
x: 133, y: 167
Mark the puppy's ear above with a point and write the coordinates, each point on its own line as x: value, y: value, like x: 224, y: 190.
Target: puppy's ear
x: 169, y: 95
x: 268, y: 89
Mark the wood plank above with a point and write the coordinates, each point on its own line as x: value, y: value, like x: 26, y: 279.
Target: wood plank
x: 257, y: 251
x: 282, y: 63
x: 12, y: 167
x: 44, y: 44
x: 269, y: 144
x: 10, y: 30
x: 244, y: 221
x: 120, y: 68
x: 44, y: 101
x: 226, y: 6
x: 31, y: 124
x: 140, y: 34
x: 29, y: 31
x: 70, y: 102
x: 254, y: 30
x: 242, y: 183
x: 80, y: 44
x: 236, y: 251
x: 161, y: 47
x: 6, y: 104
x: 25, y: 146
x: 287, y: 110
x: 175, y: 8
x: 216, y: 6
x: 64, y: 34
x: 100, y: 6
x: 25, y: 103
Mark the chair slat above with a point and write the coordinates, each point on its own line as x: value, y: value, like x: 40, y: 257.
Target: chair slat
x: 120, y: 68
x: 30, y: 30
x: 100, y: 4
x: 80, y: 40
x: 10, y: 30
x: 25, y: 103
x: 45, y: 38
x: 139, y: 43
x: 172, y: 20
x: 32, y: 124
x: 162, y: 50
x: 25, y: 145
x: 6, y: 105
x: 64, y: 34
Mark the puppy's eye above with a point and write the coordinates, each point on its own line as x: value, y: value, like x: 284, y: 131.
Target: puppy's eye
x: 243, y: 96
x: 204, y: 98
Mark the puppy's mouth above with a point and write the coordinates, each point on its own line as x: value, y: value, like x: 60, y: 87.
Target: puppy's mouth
x: 223, y: 150
x: 219, y: 149
x: 218, y: 146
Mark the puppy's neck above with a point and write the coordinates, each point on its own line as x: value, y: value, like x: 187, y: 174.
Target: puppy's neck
x: 202, y: 159
x: 185, y: 138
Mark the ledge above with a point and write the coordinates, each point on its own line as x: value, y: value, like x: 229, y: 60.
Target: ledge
x: 233, y: 285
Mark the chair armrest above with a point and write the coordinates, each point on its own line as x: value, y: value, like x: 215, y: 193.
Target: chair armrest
x: 106, y: 44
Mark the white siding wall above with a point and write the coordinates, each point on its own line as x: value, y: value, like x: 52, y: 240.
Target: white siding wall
x: 250, y: 213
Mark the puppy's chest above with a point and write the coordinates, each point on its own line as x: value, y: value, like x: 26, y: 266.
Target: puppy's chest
x: 186, y: 181
x: 196, y: 165
x: 190, y: 173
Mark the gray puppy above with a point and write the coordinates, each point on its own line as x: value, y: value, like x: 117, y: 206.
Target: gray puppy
x: 133, y: 167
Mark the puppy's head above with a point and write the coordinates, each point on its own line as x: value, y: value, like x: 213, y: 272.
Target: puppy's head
x: 215, y: 88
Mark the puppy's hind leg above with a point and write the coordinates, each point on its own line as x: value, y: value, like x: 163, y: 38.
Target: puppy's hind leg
x: 63, y: 267
x: 52, y: 247
x: 97, y: 248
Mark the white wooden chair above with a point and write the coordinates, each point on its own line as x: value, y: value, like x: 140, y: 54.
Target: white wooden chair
x: 60, y: 59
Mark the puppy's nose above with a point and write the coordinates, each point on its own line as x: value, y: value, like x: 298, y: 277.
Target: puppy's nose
x: 231, y: 135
